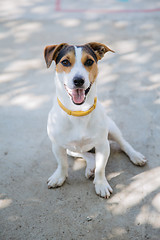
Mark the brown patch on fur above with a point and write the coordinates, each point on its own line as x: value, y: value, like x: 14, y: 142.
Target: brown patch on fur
x: 93, y: 69
x: 70, y: 56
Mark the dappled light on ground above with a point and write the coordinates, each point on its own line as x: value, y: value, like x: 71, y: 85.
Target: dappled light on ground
x: 141, y: 186
x: 5, y: 203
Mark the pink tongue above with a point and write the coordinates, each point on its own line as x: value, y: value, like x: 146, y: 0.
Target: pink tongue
x: 78, y: 95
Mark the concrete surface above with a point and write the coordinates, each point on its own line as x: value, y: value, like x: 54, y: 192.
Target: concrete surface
x: 129, y: 88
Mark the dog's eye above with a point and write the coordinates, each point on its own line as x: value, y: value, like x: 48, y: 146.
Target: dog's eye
x: 89, y: 62
x: 66, y: 63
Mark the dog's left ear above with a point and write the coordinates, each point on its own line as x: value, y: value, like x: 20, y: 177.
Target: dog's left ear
x: 51, y: 52
x: 99, y: 49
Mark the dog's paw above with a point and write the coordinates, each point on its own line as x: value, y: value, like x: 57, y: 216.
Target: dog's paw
x: 90, y: 168
x: 56, y: 180
x: 89, y: 172
x: 103, y: 189
x: 138, y: 159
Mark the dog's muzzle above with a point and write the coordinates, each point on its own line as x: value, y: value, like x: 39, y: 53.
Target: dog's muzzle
x: 78, y: 94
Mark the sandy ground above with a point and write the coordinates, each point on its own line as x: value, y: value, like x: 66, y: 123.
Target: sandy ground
x: 129, y: 89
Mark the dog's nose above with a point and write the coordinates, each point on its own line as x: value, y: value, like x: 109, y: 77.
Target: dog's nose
x: 78, y: 81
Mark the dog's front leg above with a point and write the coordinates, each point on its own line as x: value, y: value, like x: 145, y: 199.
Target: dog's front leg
x: 61, y: 173
x: 102, y: 187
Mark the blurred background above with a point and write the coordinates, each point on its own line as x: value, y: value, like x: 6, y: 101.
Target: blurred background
x: 129, y: 89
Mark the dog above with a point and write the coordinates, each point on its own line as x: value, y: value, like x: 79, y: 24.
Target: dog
x: 77, y: 122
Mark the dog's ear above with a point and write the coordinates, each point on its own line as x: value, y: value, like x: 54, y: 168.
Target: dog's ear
x: 99, y: 49
x: 51, y: 53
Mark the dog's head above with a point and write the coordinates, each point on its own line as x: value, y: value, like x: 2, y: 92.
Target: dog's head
x: 76, y: 67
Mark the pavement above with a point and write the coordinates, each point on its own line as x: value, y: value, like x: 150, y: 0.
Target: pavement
x: 129, y: 89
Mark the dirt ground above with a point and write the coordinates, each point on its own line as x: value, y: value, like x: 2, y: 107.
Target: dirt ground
x: 129, y: 89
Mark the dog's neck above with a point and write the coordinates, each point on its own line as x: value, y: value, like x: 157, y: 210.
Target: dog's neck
x: 65, y: 99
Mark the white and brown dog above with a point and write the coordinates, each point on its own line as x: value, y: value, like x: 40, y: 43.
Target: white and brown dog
x: 77, y: 122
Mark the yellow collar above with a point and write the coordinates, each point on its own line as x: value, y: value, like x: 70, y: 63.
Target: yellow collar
x: 78, y: 113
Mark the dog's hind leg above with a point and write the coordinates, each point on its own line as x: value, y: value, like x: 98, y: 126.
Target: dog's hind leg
x: 90, y: 161
x: 116, y: 135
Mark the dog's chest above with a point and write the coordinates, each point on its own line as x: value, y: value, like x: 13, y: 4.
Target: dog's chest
x: 79, y: 138
x: 76, y: 133
x: 81, y: 145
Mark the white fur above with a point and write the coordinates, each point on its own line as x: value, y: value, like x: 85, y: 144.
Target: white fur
x: 78, y: 135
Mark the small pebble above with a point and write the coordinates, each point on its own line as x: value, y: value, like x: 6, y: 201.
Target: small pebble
x: 89, y: 219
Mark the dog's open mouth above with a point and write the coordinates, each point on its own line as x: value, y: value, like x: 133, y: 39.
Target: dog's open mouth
x: 78, y: 95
